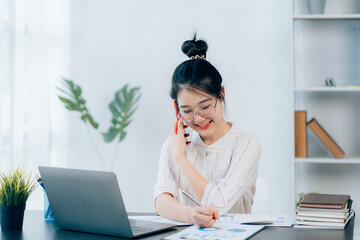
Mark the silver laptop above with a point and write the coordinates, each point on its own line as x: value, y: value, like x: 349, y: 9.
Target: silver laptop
x: 90, y: 201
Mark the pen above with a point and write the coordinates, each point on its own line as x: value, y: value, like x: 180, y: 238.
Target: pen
x: 192, y: 198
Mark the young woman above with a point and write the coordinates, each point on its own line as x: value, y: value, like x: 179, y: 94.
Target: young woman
x: 215, y: 163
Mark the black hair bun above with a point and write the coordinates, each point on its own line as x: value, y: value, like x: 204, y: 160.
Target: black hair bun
x: 194, y: 47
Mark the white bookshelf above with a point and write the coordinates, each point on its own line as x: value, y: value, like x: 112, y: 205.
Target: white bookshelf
x: 355, y: 160
x: 327, y: 46
x: 326, y: 17
x: 327, y: 89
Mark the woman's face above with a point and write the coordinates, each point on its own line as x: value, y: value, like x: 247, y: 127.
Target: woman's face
x: 190, y: 102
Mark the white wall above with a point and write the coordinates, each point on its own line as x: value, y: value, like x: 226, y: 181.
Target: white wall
x: 115, y: 42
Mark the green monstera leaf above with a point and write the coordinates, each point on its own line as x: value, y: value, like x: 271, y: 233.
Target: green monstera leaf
x: 122, y: 108
x: 75, y: 102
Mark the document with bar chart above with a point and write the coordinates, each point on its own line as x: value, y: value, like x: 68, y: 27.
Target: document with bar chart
x: 219, y: 230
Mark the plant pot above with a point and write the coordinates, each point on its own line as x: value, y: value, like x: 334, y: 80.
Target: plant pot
x: 12, y: 217
x: 316, y: 6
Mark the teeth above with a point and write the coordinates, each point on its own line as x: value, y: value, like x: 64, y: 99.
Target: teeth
x: 203, y: 125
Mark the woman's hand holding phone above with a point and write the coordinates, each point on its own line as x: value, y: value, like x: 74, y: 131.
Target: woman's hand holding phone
x: 178, y: 139
x: 178, y: 136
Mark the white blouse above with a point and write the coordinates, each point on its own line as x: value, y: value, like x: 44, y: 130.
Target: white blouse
x: 230, y: 166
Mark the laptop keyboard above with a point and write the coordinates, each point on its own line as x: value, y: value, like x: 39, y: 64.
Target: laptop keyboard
x: 139, y: 230
x: 143, y: 227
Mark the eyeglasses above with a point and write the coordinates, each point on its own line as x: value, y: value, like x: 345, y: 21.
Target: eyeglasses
x: 205, y: 111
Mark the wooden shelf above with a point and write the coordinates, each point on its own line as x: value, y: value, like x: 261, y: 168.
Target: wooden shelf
x: 327, y: 89
x: 326, y: 17
x: 355, y: 160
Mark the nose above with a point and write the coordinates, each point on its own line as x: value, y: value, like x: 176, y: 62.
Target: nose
x: 197, y: 117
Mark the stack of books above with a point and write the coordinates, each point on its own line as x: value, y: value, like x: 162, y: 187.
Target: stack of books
x: 324, y: 211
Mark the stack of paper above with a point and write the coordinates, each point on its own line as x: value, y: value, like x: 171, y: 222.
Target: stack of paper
x: 324, y: 211
x: 259, y: 219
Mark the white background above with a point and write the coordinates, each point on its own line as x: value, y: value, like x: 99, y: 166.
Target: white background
x: 102, y: 45
x: 138, y: 42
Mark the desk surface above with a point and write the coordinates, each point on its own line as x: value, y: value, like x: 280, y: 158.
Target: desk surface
x: 36, y: 228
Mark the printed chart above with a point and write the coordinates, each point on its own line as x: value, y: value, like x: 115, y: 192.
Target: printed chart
x: 218, y: 231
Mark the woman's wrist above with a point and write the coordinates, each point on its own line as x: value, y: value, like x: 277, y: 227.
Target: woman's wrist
x: 189, y: 214
x: 181, y: 159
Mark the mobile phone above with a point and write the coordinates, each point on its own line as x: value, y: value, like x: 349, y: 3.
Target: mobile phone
x: 177, y: 116
x: 177, y: 121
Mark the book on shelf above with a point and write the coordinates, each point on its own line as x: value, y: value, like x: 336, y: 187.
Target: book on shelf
x: 325, y: 138
x: 300, y: 134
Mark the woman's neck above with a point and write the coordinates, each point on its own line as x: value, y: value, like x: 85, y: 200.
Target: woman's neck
x: 221, y: 130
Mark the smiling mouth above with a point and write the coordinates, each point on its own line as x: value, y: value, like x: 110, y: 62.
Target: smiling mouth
x: 204, y: 126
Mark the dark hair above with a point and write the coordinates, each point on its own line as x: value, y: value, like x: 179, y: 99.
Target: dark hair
x: 196, y: 73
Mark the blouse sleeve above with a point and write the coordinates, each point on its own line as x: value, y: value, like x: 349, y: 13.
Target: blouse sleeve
x: 167, y: 175
x: 240, y: 177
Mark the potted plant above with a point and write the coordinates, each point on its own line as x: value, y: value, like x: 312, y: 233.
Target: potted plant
x: 15, y: 189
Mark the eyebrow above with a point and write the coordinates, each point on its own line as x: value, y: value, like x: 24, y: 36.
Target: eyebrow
x: 205, y: 100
